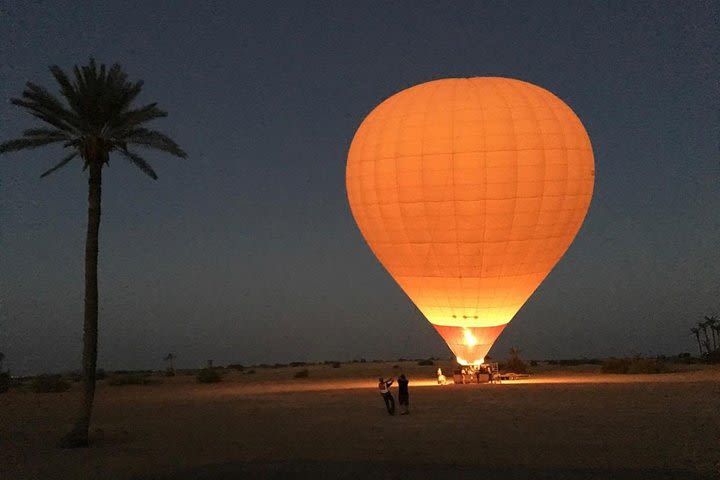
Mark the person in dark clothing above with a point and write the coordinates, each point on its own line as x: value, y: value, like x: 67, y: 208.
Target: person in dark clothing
x: 384, y: 386
x: 403, y: 394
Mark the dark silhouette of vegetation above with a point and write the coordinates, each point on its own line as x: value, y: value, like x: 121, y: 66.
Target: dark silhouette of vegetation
x: 637, y: 364
x: 304, y: 373
x: 515, y: 364
x: 49, y: 384
x: 426, y: 362
x: 131, y: 379
x: 707, y: 335
x: 4, y: 376
x: 570, y: 362
x: 4, y: 381
x: 209, y: 375
x: 95, y: 118
x: 170, y: 359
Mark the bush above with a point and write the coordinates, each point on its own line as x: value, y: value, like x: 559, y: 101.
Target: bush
x: 4, y: 381
x: 250, y: 372
x: 302, y: 373
x: 516, y: 365
x: 616, y: 365
x: 647, y: 365
x: 236, y: 366
x: 100, y: 374
x: 130, y: 379
x: 336, y: 364
x: 634, y: 365
x: 427, y: 362
x: 208, y: 375
x: 49, y: 384
x: 533, y: 363
x: 712, y: 357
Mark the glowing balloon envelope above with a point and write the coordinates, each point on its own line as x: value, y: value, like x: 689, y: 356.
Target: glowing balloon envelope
x: 468, y: 191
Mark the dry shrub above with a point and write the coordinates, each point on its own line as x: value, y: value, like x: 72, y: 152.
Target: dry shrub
x: 633, y: 365
x: 49, y: 384
x: 4, y: 381
x: 130, y: 379
x: 516, y: 365
x: 305, y: 373
x: 208, y: 375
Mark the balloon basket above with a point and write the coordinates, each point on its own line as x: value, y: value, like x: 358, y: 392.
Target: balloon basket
x: 483, y: 373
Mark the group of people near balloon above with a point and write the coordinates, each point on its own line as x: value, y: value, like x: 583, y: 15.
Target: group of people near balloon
x: 384, y: 385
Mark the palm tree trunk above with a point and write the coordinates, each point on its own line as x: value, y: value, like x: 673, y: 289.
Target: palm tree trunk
x: 707, y: 338
x: 697, y: 335
x: 78, y: 437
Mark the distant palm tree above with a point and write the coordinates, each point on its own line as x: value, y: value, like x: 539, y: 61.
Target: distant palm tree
x: 712, y: 323
x: 704, y: 326
x: 696, y: 331
x: 169, y: 358
x: 96, y: 119
x: 2, y: 358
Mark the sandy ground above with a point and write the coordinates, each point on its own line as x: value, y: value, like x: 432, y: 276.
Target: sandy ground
x: 557, y: 424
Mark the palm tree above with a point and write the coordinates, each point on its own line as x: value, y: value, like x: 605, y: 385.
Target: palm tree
x: 95, y: 119
x: 696, y: 331
x: 169, y: 358
x: 704, y: 326
x: 711, y: 322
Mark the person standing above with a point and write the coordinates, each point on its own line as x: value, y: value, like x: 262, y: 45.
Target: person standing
x: 403, y: 394
x: 384, y: 386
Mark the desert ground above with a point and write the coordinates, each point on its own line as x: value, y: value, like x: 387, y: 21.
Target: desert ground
x: 573, y: 423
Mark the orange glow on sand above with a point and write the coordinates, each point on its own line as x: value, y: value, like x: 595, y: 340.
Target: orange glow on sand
x: 468, y: 191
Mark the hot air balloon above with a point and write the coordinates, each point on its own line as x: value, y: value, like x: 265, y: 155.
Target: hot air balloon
x: 468, y: 191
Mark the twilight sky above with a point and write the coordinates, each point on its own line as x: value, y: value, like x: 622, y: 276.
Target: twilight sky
x: 246, y: 252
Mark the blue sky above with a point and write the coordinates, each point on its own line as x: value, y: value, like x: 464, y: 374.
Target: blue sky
x: 246, y: 252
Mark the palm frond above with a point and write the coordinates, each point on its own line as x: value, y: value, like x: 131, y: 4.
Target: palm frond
x: 139, y: 162
x: 28, y: 143
x: 40, y: 132
x: 43, y: 114
x: 133, y: 118
x: 154, y: 139
x: 43, y: 101
x: 60, y: 164
x: 92, y: 115
x: 67, y: 89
